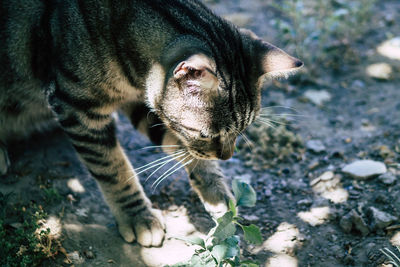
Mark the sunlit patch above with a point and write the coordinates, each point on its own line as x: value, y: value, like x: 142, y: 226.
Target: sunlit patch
x: 75, y: 186
x: 390, y: 48
x: 315, y: 216
x: 284, y: 240
x: 395, y: 240
x: 282, y: 260
x: 53, y: 224
x: 328, y: 186
x: 174, y: 250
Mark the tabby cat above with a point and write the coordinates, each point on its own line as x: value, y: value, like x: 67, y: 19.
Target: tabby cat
x: 185, y: 77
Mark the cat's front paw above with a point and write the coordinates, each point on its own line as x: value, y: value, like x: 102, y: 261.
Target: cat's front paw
x: 4, y: 160
x: 147, y: 227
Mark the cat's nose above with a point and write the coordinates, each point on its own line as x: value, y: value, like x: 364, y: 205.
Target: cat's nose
x: 226, y: 151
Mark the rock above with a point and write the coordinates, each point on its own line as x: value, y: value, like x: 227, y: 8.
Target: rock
x: 390, y: 48
x: 387, y: 178
x: 346, y: 223
x: 380, y: 71
x: 251, y: 218
x: 89, y: 254
x: 304, y: 202
x: 354, y: 220
x: 315, y: 146
x: 359, y: 223
x: 318, y: 97
x: 364, y: 169
x: 380, y: 219
x: 75, y: 258
x: 327, y: 176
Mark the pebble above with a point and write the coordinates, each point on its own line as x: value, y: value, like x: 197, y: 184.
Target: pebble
x: 380, y: 219
x: 387, y: 178
x: 75, y: 257
x: 380, y: 71
x: 318, y: 97
x: 364, y: 169
x: 327, y: 176
x: 89, y: 254
x: 390, y: 48
x: 354, y: 220
x: 315, y: 146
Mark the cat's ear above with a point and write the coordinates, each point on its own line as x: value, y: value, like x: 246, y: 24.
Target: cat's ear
x: 196, y: 71
x: 271, y: 60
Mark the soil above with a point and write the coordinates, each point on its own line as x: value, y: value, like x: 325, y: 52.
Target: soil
x: 305, y: 219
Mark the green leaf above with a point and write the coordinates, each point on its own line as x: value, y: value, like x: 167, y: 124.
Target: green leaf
x: 233, y: 246
x: 204, y: 259
x: 244, y: 193
x: 227, y: 249
x: 249, y: 264
x: 232, y: 207
x: 225, y: 227
x: 219, y: 252
x: 252, y: 234
x: 194, y: 240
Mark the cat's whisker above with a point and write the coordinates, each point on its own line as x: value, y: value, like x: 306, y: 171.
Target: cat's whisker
x: 283, y: 107
x: 161, y: 146
x: 163, y: 163
x: 170, y: 171
x: 166, y: 176
x: 274, y: 121
x: 175, y: 158
x: 160, y: 159
x: 266, y: 123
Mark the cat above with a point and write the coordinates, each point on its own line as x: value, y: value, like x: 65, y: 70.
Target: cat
x: 185, y: 77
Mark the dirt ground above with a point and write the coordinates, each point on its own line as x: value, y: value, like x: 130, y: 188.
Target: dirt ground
x: 310, y: 212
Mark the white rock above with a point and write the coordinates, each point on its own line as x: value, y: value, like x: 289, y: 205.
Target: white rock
x: 364, y: 169
x: 315, y: 146
x: 390, y: 48
x: 318, y: 97
x: 382, y: 71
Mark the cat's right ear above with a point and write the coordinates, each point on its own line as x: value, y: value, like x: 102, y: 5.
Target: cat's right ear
x: 270, y: 60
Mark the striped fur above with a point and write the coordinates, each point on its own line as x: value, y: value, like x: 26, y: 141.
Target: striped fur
x: 185, y: 77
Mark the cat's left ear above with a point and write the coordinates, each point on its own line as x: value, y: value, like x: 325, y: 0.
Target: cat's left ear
x: 269, y: 59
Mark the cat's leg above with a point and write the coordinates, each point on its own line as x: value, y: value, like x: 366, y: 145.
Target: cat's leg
x: 92, y: 132
x: 4, y: 160
x: 206, y: 178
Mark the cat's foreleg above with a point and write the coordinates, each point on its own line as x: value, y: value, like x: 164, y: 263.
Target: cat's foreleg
x: 206, y: 179
x: 92, y: 133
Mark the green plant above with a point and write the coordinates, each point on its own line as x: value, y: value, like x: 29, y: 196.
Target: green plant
x: 324, y: 33
x: 23, y: 242
x: 221, y: 245
x: 393, y: 258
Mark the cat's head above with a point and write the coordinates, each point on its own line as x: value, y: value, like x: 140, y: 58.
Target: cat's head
x: 206, y: 101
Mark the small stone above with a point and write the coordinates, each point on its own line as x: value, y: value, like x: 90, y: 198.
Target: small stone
x: 75, y: 257
x: 359, y: 223
x: 318, y: 97
x: 346, y: 223
x: 380, y: 71
x: 327, y: 176
x: 251, y: 218
x: 304, y: 202
x: 364, y: 169
x: 390, y: 48
x: 380, y: 219
x: 89, y: 254
x: 387, y: 178
x: 315, y: 146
